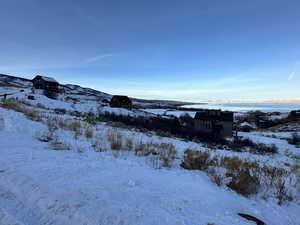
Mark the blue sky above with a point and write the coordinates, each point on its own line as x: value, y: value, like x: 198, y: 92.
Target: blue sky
x: 205, y: 50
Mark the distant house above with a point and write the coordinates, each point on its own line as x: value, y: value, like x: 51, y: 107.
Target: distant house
x: 295, y: 115
x: 216, y: 122
x: 120, y: 101
x: 105, y: 101
x: 45, y: 83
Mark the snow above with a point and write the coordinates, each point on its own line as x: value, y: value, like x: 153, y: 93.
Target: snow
x: 49, y: 79
x: 176, y: 113
x: 282, y: 115
x: 283, y: 145
x: 42, y: 186
x: 245, y: 124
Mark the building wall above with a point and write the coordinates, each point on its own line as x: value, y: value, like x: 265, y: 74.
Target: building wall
x: 227, y: 128
x: 41, y: 84
x: 207, y: 127
x: 117, y: 104
x: 203, y: 126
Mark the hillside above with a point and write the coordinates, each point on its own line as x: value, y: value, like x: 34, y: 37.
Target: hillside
x: 76, y: 91
x: 71, y: 161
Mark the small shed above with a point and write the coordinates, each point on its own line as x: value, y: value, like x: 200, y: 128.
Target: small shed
x: 246, y: 127
x: 120, y: 101
x: 295, y: 115
x: 45, y: 83
x: 216, y: 122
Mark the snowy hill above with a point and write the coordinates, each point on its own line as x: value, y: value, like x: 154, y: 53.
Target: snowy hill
x: 42, y: 186
x: 76, y: 91
x: 15, y: 81
x: 63, y: 164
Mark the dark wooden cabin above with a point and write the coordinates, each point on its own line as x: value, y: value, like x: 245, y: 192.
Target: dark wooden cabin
x: 120, y: 101
x: 294, y: 115
x: 45, y: 83
x: 216, y: 122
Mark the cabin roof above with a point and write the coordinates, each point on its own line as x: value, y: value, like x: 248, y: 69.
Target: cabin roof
x: 210, y: 115
x: 48, y: 79
x: 121, y: 98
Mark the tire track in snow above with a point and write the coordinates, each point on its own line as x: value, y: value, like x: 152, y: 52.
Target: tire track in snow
x: 36, y: 204
x: 7, y: 219
x: 13, y: 211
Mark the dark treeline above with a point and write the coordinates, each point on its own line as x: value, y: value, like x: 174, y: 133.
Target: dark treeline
x: 167, y: 126
x: 181, y: 127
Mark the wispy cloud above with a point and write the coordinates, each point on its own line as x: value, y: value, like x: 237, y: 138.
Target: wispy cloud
x: 293, y: 73
x: 99, y: 58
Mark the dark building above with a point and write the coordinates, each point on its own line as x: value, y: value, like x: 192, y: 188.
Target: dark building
x: 105, y: 101
x: 45, y: 83
x: 216, y: 122
x: 120, y: 101
x: 294, y: 115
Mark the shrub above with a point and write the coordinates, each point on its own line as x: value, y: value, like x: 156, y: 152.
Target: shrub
x: 89, y: 132
x: 90, y: 118
x: 115, y: 139
x: 141, y: 149
x: 97, y: 145
x: 58, y: 145
x: 196, y: 160
x: 295, y: 139
x: 282, y: 193
x: 215, y: 177
x: 264, y: 149
x: 74, y: 125
x: 238, y: 144
x: 167, y: 154
x: 52, y: 124
x: 243, y: 182
x: 60, y: 111
x: 45, y: 136
x: 62, y: 123
x: 12, y: 104
x: 128, y: 144
x: 241, y: 175
x: 163, y: 153
x: 40, y: 105
x: 33, y: 115
x: 19, y: 106
x: 231, y: 163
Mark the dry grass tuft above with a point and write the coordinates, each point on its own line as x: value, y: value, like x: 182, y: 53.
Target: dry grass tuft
x: 244, y: 176
x: 20, y: 106
x: 167, y: 154
x: 115, y: 139
x: 41, y: 106
x: 89, y: 132
x: 128, y: 144
x: 58, y: 145
x: 97, y: 144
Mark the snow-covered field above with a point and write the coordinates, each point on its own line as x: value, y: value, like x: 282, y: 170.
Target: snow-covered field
x: 43, y: 186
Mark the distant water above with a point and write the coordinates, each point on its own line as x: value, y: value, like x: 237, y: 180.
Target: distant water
x: 264, y: 107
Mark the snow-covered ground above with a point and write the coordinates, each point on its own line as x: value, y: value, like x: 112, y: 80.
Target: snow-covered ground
x: 42, y: 186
